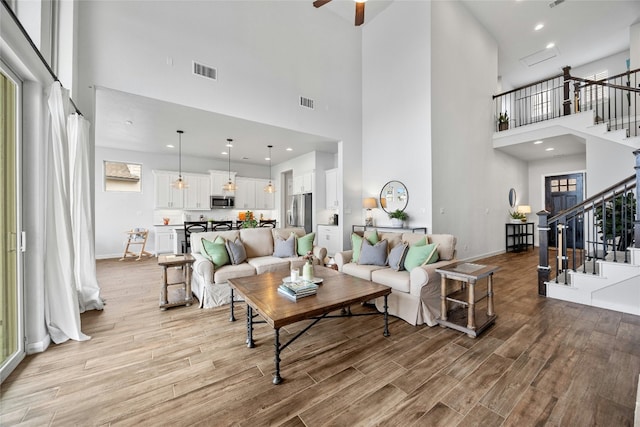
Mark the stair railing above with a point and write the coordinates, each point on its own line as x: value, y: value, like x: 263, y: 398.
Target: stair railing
x: 607, y: 222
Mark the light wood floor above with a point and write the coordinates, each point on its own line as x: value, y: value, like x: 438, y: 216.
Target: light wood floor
x: 545, y: 362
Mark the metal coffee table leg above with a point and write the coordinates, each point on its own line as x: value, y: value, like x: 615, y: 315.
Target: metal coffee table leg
x: 232, y: 318
x: 250, y: 342
x: 277, y: 379
x: 386, y: 318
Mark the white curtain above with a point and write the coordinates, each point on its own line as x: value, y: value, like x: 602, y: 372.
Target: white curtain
x: 62, y: 312
x: 81, y: 219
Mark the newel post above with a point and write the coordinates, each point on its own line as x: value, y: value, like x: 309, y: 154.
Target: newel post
x: 543, y: 252
x: 636, y: 220
x: 566, y: 103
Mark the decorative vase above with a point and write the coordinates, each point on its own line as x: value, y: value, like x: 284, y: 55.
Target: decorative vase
x: 307, y: 271
x: 396, y: 222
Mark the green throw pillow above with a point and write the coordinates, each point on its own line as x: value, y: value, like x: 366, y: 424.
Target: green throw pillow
x: 215, y: 251
x: 419, y: 255
x: 356, y: 243
x: 305, y: 243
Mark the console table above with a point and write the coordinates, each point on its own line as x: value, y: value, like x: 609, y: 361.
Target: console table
x: 518, y: 236
x: 355, y: 228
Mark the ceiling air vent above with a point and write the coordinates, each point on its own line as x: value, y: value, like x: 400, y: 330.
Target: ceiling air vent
x: 306, y: 102
x: 540, y: 56
x: 205, y: 71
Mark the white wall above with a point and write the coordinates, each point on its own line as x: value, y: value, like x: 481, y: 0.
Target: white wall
x: 396, y: 52
x: 471, y: 179
x: 615, y: 64
x: 267, y: 53
x: 607, y: 163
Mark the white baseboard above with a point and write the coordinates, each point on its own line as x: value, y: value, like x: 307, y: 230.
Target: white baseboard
x: 109, y: 256
x: 40, y: 346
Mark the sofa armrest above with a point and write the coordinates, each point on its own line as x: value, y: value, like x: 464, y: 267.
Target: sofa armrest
x: 203, y: 267
x: 426, y: 274
x: 342, y: 258
x: 320, y: 253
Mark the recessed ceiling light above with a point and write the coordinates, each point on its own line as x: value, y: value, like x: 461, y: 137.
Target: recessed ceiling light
x: 551, y: 45
x: 538, y: 27
x: 289, y: 149
x: 549, y: 149
x: 171, y: 146
x: 538, y: 142
x: 224, y: 153
x: 267, y: 158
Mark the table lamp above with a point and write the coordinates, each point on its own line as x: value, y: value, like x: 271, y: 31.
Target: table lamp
x: 524, y: 209
x: 369, y: 203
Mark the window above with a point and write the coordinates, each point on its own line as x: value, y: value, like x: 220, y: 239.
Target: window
x: 563, y: 185
x: 596, y: 93
x: 541, y: 104
x: 120, y: 176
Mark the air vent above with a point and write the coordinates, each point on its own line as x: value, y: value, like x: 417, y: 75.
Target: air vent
x: 306, y: 102
x: 555, y: 3
x: 540, y: 56
x: 205, y: 71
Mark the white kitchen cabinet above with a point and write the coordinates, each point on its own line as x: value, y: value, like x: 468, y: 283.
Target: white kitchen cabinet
x: 166, y: 196
x: 218, y: 180
x: 329, y: 238
x: 264, y: 200
x: 303, y: 183
x: 331, y: 188
x: 197, y: 193
x: 245, y: 193
x: 164, y: 240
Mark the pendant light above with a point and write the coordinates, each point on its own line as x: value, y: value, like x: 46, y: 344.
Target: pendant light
x: 270, y: 188
x: 229, y: 186
x: 180, y: 183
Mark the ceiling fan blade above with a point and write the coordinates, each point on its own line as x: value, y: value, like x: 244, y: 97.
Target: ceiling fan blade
x: 359, y: 13
x: 319, y: 3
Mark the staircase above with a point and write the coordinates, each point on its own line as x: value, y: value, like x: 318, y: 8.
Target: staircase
x: 601, y: 264
x: 606, y: 284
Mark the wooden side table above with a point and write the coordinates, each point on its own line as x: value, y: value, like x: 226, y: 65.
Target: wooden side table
x: 468, y: 274
x: 182, y: 295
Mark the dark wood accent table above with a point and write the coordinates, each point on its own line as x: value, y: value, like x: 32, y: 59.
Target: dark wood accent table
x: 183, y: 295
x: 468, y: 274
x: 337, y: 291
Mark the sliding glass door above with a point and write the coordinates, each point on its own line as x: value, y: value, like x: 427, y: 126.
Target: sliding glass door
x: 11, y: 314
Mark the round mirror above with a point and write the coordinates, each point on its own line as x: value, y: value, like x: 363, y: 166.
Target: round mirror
x: 394, y: 195
x: 512, y: 198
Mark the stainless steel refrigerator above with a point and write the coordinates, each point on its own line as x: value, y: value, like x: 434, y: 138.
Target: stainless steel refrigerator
x: 299, y: 212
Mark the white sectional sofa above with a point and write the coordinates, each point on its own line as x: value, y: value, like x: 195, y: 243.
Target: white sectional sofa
x: 209, y: 284
x: 415, y: 295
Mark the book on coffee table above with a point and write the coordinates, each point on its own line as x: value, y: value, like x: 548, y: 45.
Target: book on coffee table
x: 295, y: 295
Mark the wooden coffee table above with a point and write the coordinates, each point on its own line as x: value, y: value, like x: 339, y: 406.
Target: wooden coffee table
x: 337, y: 291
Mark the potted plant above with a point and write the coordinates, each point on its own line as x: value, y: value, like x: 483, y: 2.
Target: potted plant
x: 517, y: 217
x: 503, y: 121
x: 398, y: 217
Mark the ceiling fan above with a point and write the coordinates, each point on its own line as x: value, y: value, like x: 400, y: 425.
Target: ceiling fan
x: 359, y: 9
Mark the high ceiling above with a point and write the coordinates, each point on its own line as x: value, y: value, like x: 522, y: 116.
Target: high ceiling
x: 131, y: 122
x: 582, y: 31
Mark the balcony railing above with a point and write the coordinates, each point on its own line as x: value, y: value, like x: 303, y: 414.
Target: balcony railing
x: 615, y: 101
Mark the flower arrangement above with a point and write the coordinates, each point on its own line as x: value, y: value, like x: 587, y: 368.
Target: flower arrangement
x: 248, y: 221
x: 309, y: 257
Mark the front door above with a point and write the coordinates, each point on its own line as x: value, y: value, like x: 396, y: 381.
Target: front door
x: 563, y: 192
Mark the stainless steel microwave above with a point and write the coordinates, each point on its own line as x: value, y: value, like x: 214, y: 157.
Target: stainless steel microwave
x: 222, y: 202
